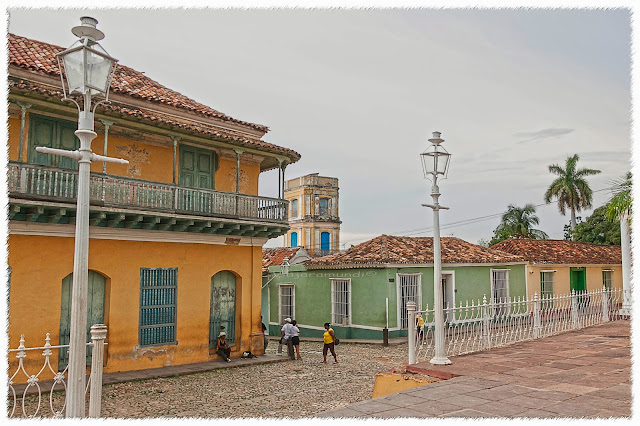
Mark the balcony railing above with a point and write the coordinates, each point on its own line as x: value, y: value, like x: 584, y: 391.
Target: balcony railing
x: 42, y: 182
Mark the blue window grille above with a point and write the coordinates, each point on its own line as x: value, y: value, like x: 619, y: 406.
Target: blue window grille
x: 158, y: 294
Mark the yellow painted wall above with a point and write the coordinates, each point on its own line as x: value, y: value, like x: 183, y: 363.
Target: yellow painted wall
x: 225, y: 177
x: 36, y: 292
x: 14, y: 138
x: 561, y: 278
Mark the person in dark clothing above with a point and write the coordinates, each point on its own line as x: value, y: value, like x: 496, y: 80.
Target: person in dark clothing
x: 264, y: 335
x: 222, y: 346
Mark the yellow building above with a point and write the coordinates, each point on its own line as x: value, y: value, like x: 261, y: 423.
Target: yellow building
x: 556, y: 267
x: 313, y: 214
x: 176, y: 235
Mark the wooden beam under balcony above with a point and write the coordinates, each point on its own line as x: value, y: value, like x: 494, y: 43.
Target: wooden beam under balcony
x: 95, y: 218
x: 183, y: 225
x: 133, y: 221
x: 200, y: 226
x: 55, y: 215
x: 115, y: 221
x: 166, y: 224
x: 34, y: 214
x: 149, y: 222
x: 13, y: 211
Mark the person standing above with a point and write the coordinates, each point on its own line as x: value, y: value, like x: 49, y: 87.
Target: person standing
x: 264, y: 335
x: 222, y: 346
x: 295, y: 337
x: 285, y: 332
x: 329, y: 343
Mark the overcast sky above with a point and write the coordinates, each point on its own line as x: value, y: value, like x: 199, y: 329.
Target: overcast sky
x: 357, y: 93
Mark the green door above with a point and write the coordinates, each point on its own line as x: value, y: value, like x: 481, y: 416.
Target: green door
x: 223, y: 307
x: 95, y: 312
x: 196, y: 167
x: 52, y: 133
x: 578, y: 279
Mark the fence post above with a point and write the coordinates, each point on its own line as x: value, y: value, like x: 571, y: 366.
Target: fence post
x: 574, y: 309
x: 98, y: 334
x: 411, y: 320
x: 605, y: 304
x: 486, y: 332
x: 537, y: 327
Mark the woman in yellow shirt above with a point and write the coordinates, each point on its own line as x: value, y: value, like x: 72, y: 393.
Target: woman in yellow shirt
x: 329, y: 340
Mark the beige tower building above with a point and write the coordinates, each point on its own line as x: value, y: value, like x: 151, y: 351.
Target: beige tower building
x: 313, y: 214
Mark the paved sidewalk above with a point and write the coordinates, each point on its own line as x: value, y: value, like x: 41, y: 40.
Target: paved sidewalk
x: 583, y: 373
x: 168, y: 371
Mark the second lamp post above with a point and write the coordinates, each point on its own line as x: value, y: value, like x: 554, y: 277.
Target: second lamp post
x: 435, y: 163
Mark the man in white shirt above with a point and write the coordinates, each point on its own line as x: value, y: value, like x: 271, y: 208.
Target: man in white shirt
x: 285, y: 332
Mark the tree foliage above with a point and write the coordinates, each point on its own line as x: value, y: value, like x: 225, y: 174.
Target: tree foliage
x: 570, y: 188
x: 621, y: 202
x: 518, y: 222
x: 596, y: 229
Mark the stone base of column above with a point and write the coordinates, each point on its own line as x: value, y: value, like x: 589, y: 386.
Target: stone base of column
x: 440, y: 361
x: 257, y: 344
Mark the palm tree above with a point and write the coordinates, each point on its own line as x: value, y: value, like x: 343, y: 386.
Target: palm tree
x: 570, y: 188
x: 518, y: 222
x: 620, y: 202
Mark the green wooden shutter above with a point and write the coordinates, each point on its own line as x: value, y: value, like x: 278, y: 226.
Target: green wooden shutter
x: 196, y: 167
x: 95, y: 312
x: 223, y: 307
x: 158, y: 306
x: 52, y: 133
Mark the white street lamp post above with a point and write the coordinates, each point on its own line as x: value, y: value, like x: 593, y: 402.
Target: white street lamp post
x: 435, y: 161
x: 88, y: 69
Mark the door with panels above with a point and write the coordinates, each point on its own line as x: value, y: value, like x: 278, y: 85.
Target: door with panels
x: 95, y: 312
x: 223, y: 307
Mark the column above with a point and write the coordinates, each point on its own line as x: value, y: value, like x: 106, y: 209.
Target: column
x: 23, y: 114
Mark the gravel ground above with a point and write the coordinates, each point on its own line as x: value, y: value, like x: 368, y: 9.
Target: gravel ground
x: 309, y: 386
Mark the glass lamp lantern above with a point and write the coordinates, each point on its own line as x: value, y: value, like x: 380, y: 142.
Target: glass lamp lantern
x: 284, y: 268
x: 87, y: 66
x: 435, y: 160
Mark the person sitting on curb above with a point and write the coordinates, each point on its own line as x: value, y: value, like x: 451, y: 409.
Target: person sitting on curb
x: 222, y: 347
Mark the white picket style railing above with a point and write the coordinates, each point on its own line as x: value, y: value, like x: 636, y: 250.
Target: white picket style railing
x: 19, y: 404
x: 484, y: 324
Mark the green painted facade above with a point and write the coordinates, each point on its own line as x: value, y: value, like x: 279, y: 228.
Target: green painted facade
x: 369, y: 289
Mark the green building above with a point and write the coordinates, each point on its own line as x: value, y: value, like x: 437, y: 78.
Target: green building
x: 366, y: 288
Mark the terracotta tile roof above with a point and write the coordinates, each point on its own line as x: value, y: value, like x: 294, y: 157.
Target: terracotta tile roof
x: 40, y: 57
x: 561, y: 251
x: 387, y: 249
x: 275, y: 256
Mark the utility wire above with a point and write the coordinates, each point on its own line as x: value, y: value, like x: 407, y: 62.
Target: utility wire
x: 418, y: 231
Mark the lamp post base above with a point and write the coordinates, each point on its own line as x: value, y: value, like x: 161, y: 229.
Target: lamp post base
x: 440, y: 361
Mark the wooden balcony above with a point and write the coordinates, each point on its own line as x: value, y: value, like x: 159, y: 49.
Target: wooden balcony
x: 119, y: 201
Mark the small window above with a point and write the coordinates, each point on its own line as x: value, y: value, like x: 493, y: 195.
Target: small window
x: 294, y: 208
x: 294, y: 239
x: 287, y: 302
x: 158, y: 294
x: 340, y: 301
x: 324, y: 207
x: 607, y: 279
x: 546, y: 288
x: 500, y: 290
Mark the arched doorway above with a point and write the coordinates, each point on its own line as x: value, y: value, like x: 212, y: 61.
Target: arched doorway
x: 223, y: 307
x: 95, y: 312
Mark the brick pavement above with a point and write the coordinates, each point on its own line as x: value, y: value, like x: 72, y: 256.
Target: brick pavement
x: 583, y: 373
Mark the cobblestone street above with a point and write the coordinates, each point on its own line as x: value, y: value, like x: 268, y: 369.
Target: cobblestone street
x: 309, y: 386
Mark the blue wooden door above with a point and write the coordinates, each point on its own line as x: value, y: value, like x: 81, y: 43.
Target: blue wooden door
x: 223, y: 307
x: 294, y: 239
x: 325, y: 243
x: 95, y: 312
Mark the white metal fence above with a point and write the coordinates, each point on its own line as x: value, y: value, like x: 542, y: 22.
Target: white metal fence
x: 480, y: 325
x: 25, y: 399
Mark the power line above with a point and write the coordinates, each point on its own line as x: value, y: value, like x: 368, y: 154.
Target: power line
x: 418, y: 231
